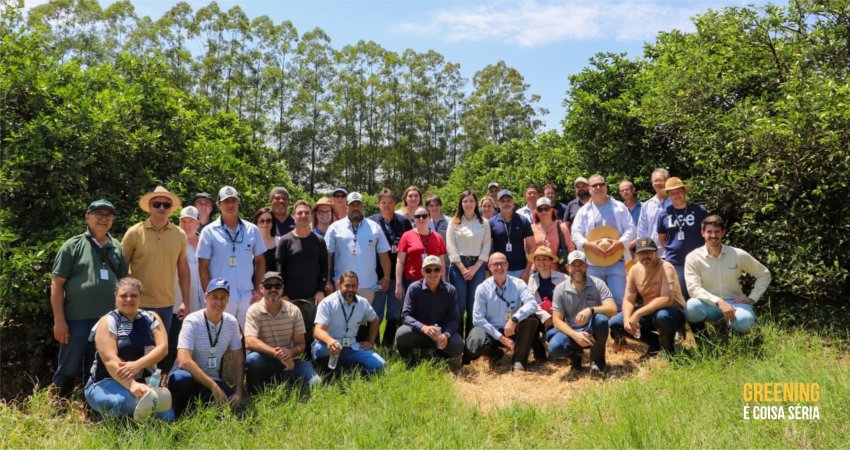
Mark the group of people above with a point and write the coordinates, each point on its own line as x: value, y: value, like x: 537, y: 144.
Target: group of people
x: 294, y: 293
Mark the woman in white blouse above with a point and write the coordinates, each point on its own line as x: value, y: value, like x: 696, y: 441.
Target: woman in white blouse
x: 468, y: 247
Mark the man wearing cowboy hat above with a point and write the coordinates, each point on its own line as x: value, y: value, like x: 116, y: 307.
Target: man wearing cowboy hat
x: 580, y: 312
x: 430, y: 315
x: 679, y: 227
x: 713, y: 273
x: 82, y: 289
x: 603, y: 229
x: 233, y: 249
x: 153, y: 249
x: 661, y: 312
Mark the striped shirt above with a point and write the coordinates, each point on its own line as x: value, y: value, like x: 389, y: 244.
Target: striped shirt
x: 196, y: 336
x: 276, y: 331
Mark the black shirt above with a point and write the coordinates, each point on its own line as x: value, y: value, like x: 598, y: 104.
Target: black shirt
x: 393, y: 231
x: 303, y: 264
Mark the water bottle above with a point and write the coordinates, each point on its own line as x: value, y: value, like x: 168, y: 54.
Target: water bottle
x: 334, y: 359
x: 637, y: 333
x: 155, y: 378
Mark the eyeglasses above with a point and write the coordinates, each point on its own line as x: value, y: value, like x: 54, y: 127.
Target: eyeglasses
x: 273, y: 285
x: 434, y: 270
x: 597, y: 185
x: 499, y: 264
x: 106, y: 216
x: 262, y: 221
x: 421, y: 216
x: 158, y: 205
x: 324, y: 211
x: 544, y: 209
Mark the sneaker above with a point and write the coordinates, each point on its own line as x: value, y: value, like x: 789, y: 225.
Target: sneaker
x: 596, y: 370
x: 518, y: 367
x: 575, y: 361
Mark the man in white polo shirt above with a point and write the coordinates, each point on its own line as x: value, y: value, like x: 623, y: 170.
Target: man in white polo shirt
x: 233, y: 249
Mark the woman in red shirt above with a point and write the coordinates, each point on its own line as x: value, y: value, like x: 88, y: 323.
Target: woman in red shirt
x: 413, y: 247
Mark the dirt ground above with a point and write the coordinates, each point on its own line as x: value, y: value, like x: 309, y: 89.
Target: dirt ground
x: 548, y: 381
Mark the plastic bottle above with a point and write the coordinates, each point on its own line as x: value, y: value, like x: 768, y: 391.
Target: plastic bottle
x: 155, y: 379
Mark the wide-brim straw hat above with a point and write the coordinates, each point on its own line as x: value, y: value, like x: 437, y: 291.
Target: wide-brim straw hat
x: 160, y: 191
x: 608, y: 236
x: 675, y: 183
x: 543, y: 251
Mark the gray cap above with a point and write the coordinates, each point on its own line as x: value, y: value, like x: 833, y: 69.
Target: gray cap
x: 226, y: 193
x: 431, y: 260
x: 504, y: 192
x: 269, y: 275
x: 492, y: 184
x: 576, y: 255
x: 353, y: 197
x: 189, y: 211
x: 543, y: 201
x: 580, y: 180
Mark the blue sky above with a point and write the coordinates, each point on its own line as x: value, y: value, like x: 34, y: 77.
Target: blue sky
x: 546, y: 40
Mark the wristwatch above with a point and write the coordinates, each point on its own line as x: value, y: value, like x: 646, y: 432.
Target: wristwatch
x: 514, y: 319
x: 592, y: 311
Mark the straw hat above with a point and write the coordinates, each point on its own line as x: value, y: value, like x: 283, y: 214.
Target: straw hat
x: 160, y: 191
x: 543, y: 251
x: 604, y: 236
x: 675, y: 183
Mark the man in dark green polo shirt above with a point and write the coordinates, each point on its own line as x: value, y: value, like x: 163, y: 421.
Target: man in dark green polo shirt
x: 82, y: 289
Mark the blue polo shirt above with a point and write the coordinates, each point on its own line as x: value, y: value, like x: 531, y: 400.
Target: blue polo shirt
x: 357, y: 252
x: 514, y: 232
x: 218, y: 243
x: 688, y: 221
x: 335, y: 314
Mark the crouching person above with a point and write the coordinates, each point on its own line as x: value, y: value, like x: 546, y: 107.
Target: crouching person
x: 502, y: 316
x: 430, y: 315
x: 274, y: 337
x: 337, y: 321
x: 205, y: 337
x: 580, y: 312
x: 129, y: 343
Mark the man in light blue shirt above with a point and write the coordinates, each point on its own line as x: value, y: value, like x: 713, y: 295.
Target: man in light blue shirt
x: 503, y: 316
x: 647, y: 224
x: 354, y: 244
x: 337, y: 321
x: 232, y: 249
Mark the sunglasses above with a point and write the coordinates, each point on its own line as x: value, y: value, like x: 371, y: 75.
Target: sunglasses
x: 421, y: 216
x: 434, y: 270
x: 264, y: 221
x: 158, y: 205
x: 273, y: 286
x: 597, y: 185
x: 339, y: 195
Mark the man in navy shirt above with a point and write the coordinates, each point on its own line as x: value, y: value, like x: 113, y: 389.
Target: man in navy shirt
x: 512, y: 236
x: 679, y: 228
x: 430, y: 314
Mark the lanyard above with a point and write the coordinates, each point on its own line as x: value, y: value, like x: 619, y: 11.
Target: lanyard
x: 213, y: 343
x: 507, y: 226
x: 104, y: 257
x: 233, y: 239
x: 354, y: 230
x: 501, y: 295
x: 389, y: 231
x: 348, y: 316
x: 425, y: 239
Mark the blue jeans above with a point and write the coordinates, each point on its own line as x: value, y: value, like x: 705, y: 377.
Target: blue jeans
x: 184, y: 388
x: 76, y: 356
x: 561, y: 345
x: 516, y: 273
x: 666, y: 321
x: 367, y: 360
x: 165, y: 314
x: 698, y: 312
x: 465, y: 294
x: 260, y: 369
x: 387, y: 299
x: 109, y: 398
x: 615, y: 277
x: 680, y: 272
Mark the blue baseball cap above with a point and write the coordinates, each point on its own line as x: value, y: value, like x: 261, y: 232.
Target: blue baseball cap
x: 218, y: 283
x: 504, y: 192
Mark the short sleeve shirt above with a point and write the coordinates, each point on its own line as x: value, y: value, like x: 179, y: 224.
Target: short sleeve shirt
x: 570, y: 302
x: 198, y: 334
x: 343, y: 320
x: 513, y: 232
x: 220, y: 245
x: 417, y: 247
x: 89, y: 281
x: 153, y: 255
x: 686, y: 222
x: 356, y: 249
x: 657, y: 282
x: 276, y: 331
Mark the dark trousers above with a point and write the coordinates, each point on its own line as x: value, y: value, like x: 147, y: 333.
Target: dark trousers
x: 664, y: 321
x: 407, y: 340
x: 307, y: 306
x: 479, y: 340
x: 184, y: 388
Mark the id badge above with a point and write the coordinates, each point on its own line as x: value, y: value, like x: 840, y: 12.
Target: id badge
x: 212, y: 362
x: 509, y: 247
x: 104, y: 274
x: 680, y: 235
x: 355, y: 250
x: 232, y: 261
x: 507, y: 317
x: 394, y: 248
x: 346, y: 342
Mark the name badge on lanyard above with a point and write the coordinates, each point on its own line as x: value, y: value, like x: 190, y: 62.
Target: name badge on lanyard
x: 232, y: 261
x: 509, y: 247
x: 212, y: 362
x: 104, y: 274
x: 681, y: 235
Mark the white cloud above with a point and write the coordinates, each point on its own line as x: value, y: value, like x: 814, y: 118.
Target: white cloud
x: 531, y: 23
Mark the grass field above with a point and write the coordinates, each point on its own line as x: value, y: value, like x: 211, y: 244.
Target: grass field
x: 692, y: 401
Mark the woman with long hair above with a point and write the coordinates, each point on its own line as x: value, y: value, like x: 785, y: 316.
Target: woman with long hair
x: 549, y: 231
x: 468, y: 246
x: 487, y: 207
x: 410, y: 200
x: 264, y: 221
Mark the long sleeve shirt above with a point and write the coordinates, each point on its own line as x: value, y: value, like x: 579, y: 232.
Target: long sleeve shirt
x: 469, y: 238
x: 424, y: 307
x: 713, y: 279
x: 494, y: 306
x: 590, y: 216
x: 647, y: 224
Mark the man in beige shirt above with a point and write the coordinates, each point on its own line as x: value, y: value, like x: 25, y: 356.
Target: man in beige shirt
x: 156, y: 254
x: 713, y: 274
x: 660, y: 313
x: 274, y: 337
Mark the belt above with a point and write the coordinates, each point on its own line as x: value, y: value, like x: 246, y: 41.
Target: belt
x: 468, y: 258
